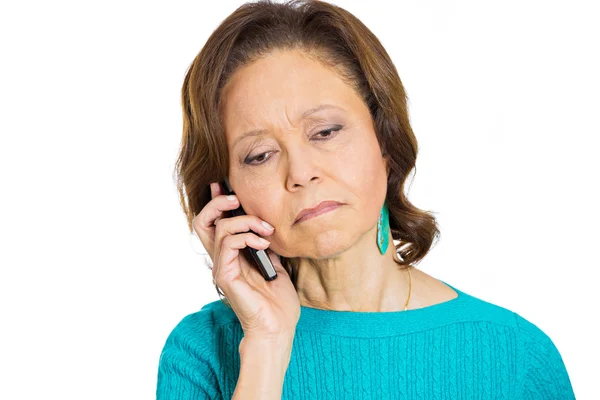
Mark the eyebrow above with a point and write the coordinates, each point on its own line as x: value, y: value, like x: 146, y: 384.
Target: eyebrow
x: 304, y: 115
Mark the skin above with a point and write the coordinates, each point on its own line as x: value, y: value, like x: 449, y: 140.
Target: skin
x: 296, y: 167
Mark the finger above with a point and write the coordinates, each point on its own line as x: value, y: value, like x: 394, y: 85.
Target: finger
x: 229, y: 251
x: 215, y: 189
x: 204, y: 223
x: 207, y: 218
x: 241, y: 224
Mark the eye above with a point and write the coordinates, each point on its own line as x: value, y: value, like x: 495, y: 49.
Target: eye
x: 249, y: 160
x: 335, y: 129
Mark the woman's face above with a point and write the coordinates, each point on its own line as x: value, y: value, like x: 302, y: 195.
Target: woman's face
x: 292, y: 164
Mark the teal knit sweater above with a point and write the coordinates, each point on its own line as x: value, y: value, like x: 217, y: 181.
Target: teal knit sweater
x: 464, y: 348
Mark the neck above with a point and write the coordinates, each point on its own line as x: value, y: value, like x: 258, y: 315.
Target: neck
x: 357, y: 279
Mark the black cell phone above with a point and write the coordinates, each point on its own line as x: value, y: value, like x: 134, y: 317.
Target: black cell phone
x: 260, y: 257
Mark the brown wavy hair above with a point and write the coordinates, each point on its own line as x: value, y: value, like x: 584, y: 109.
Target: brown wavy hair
x: 336, y: 38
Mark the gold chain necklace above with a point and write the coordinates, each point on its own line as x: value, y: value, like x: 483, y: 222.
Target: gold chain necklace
x: 409, y: 287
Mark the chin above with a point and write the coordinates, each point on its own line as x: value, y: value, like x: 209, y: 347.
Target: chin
x: 330, y: 244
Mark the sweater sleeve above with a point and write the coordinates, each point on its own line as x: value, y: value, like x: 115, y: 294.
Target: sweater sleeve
x: 184, y: 369
x: 545, y: 375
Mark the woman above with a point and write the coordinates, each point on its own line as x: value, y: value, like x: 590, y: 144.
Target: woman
x: 300, y: 106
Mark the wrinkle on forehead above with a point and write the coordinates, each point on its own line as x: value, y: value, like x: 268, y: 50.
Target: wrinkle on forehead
x: 291, y: 83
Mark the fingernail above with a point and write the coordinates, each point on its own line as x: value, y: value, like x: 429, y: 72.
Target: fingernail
x: 231, y: 197
x: 267, y: 225
x: 265, y: 241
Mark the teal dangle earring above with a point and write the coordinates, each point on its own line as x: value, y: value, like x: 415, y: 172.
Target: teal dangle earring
x: 383, y: 228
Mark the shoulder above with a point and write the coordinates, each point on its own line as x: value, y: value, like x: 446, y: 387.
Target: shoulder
x: 470, y: 308
x: 527, y: 332
x: 478, y: 309
x: 196, y: 331
x: 545, y: 373
x: 542, y: 371
x: 530, y: 335
x: 189, y: 359
x: 537, y: 343
x: 207, y: 320
x: 459, y: 306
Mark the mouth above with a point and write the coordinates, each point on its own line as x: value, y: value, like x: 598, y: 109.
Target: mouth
x: 321, y: 208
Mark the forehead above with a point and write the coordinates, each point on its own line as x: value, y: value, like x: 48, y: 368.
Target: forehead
x: 281, y: 86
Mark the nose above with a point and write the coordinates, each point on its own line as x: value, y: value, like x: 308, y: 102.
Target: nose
x: 304, y: 168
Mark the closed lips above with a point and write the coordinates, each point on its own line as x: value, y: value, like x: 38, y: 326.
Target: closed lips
x: 320, y: 206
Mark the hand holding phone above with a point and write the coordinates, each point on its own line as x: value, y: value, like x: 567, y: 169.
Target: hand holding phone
x: 260, y: 257
x: 267, y: 308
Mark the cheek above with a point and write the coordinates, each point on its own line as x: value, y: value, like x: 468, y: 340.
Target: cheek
x: 362, y: 167
x: 363, y: 170
x: 259, y: 198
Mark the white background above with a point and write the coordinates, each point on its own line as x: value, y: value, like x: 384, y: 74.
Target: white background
x: 96, y: 263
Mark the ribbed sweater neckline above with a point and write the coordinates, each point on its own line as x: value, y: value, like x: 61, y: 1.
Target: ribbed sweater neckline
x: 382, y: 323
